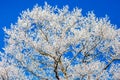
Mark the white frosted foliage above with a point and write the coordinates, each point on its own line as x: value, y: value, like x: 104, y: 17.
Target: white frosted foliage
x: 48, y: 43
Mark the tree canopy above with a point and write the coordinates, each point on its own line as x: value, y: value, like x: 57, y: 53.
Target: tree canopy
x: 48, y: 43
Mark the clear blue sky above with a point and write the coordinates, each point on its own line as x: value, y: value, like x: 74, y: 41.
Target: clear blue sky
x: 10, y: 9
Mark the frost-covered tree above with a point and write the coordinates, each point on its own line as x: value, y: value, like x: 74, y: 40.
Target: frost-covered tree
x: 48, y: 43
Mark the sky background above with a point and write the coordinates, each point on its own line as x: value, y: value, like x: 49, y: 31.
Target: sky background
x: 11, y: 9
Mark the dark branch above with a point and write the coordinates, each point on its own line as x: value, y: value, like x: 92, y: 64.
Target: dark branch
x: 109, y: 64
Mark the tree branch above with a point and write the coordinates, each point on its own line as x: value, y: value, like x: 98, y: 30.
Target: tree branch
x: 106, y: 67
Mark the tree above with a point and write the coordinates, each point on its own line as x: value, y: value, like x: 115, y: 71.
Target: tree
x: 49, y: 43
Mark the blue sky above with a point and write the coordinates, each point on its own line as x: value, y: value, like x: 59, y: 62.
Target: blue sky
x: 11, y: 9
